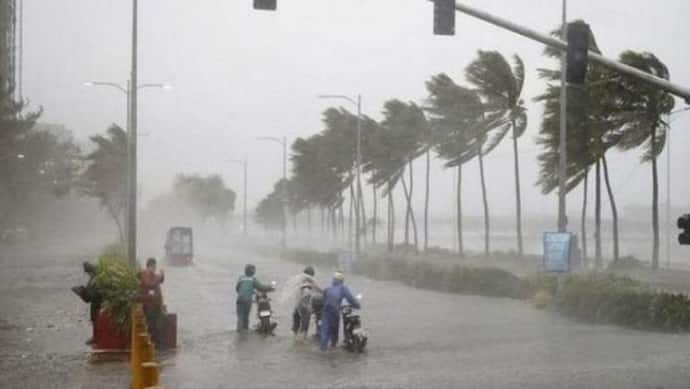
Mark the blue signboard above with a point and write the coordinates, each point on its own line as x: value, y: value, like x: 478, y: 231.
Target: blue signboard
x: 557, y: 251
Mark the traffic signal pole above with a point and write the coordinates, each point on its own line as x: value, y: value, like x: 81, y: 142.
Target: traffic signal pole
x: 563, y: 138
x: 672, y: 88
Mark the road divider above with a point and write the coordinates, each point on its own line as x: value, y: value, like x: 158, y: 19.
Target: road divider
x: 144, y: 368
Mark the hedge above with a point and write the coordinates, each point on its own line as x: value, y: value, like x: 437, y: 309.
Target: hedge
x: 591, y: 297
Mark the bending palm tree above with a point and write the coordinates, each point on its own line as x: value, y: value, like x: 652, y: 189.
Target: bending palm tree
x: 642, y: 108
x: 501, y: 85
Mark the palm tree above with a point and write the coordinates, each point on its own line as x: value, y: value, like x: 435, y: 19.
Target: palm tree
x: 501, y: 86
x: 454, y: 112
x: 592, y: 130
x: 641, y: 110
x: 383, y: 163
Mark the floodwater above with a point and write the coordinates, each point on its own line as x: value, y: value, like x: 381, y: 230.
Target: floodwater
x: 418, y: 338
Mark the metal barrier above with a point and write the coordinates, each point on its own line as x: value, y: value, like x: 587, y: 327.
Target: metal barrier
x: 143, y: 365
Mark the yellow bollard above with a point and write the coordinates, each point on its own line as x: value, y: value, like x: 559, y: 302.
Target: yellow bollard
x: 149, y: 374
x: 134, y: 345
x: 144, y: 369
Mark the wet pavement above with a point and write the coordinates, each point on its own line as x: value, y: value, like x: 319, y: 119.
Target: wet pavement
x: 417, y: 338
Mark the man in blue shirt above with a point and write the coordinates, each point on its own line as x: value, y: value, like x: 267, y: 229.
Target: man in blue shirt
x: 333, y: 297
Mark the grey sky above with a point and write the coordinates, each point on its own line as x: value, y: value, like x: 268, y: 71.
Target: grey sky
x: 239, y: 73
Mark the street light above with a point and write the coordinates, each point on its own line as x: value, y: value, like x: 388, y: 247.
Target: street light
x: 282, y: 142
x: 244, y: 164
x: 358, y: 162
x: 130, y: 90
x: 668, y: 186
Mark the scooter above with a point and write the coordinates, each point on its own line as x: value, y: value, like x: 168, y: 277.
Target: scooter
x: 266, y: 324
x: 355, y: 337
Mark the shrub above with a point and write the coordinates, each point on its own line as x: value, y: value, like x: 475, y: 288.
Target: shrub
x: 541, y: 299
x: 117, y: 283
x: 591, y: 297
x: 626, y: 263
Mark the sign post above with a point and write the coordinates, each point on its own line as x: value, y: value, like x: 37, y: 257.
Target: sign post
x: 557, y: 250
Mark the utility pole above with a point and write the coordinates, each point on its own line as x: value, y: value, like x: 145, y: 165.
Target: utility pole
x: 358, y: 196
x: 244, y: 163
x: 283, y: 240
x: 132, y: 148
x: 284, y: 198
x: 244, y: 199
x: 563, y: 134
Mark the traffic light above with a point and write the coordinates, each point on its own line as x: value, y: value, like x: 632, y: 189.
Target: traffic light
x: 578, y: 47
x: 444, y: 17
x: 684, y: 224
x: 268, y: 5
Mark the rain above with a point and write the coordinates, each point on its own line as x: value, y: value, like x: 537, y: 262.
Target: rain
x: 344, y: 194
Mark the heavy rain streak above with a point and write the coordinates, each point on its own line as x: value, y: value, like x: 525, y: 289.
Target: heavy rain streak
x: 344, y: 194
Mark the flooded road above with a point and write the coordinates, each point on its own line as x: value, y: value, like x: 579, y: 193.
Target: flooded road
x: 417, y: 339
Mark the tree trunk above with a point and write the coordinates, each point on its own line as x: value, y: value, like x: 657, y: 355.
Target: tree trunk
x: 461, y: 247
x: 597, y: 217
x: 413, y: 219
x: 518, y: 200
x: 426, y: 201
x: 341, y: 213
x: 485, y: 201
x: 323, y: 226
x: 309, y: 220
x: 407, y: 212
x: 391, y: 214
x: 389, y: 246
x: 118, y: 223
x: 350, y: 218
x: 374, y: 220
x: 334, y: 225
x: 410, y: 213
x: 655, y: 203
x: 363, y: 216
x: 362, y: 228
x: 614, y: 210
x: 583, y: 220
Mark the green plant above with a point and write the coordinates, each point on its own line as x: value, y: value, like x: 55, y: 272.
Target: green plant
x: 118, y: 284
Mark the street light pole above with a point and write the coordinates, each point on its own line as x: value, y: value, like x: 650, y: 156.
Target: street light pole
x: 358, y: 165
x: 282, y: 142
x: 132, y: 148
x: 359, y: 181
x: 244, y: 164
x: 562, y: 146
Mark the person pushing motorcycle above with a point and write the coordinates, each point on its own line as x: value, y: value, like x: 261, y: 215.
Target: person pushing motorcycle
x: 333, y: 297
x: 247, y: 284
x: 303, y: 309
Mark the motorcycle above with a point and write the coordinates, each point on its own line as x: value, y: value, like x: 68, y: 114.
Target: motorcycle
x: 316, y: 306
x: 266, y: 324
x: 355, y: 337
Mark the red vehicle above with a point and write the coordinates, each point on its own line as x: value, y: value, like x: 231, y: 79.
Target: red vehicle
x: 179, y: 246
